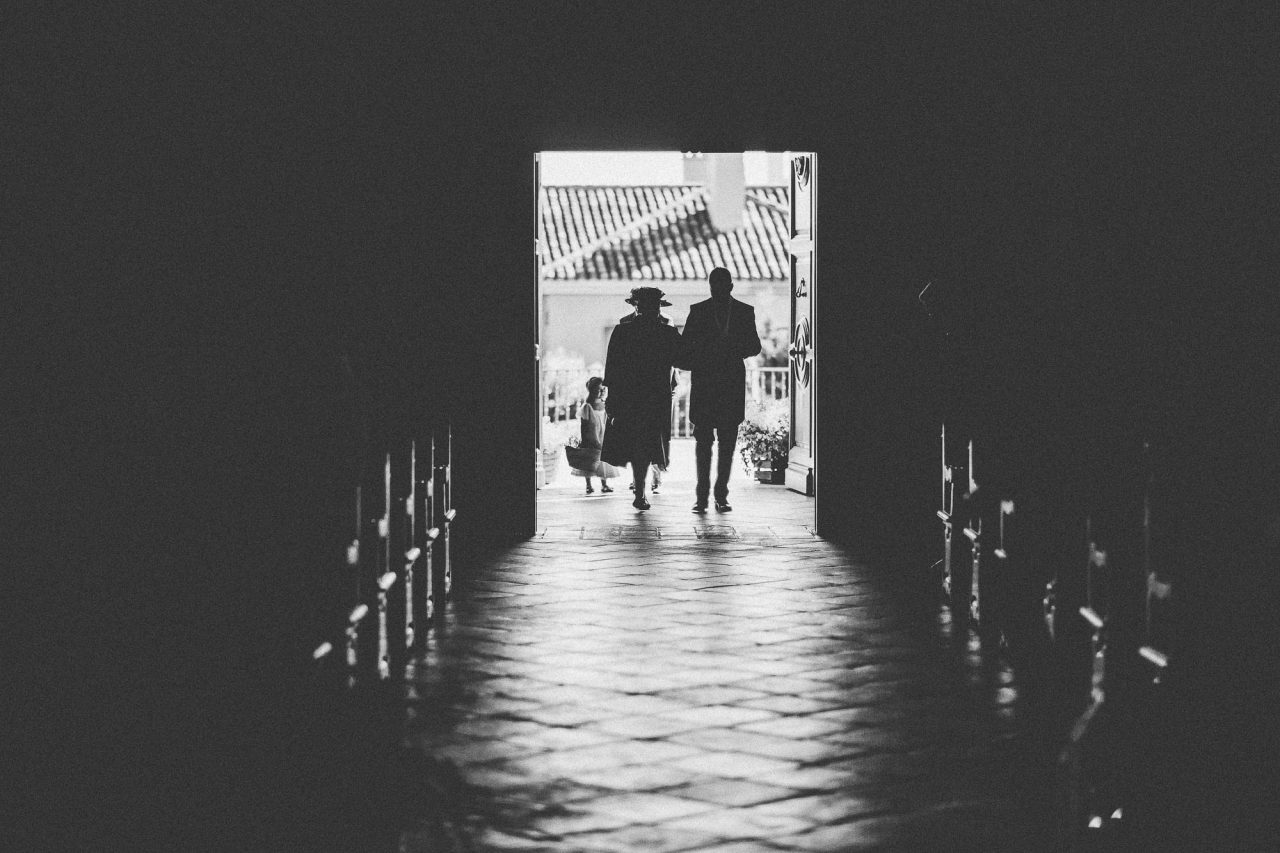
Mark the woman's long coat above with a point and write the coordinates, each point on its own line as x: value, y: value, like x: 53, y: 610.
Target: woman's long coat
x: 637, y: 372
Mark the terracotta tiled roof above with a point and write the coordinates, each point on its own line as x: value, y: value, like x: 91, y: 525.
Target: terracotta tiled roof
x: 662, y: 233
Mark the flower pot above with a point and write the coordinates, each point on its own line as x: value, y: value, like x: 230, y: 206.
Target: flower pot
x: 775, y: 475
x: 551, y: 457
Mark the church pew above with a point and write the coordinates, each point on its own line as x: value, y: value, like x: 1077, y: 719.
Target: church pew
x: 983, y: 576
x: 392, y: 568
x: 399, y: 603
x: 342, y: 748
x: 946, y: 513
x: 374, y: 564
x: 1117, y: 752
x: 1145, y: 808
x: 343, y: 617
x: 420, y: 508
x: 1087, y: 772
x: 1007, y: 562
x: 1095, y: 612
x: 445, y: 513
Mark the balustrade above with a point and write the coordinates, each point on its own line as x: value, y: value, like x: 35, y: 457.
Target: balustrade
x: 564, y: 392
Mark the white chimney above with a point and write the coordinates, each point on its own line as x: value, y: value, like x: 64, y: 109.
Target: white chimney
x: 726, y: 190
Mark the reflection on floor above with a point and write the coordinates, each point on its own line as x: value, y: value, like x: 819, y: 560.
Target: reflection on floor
x: 659, y: 682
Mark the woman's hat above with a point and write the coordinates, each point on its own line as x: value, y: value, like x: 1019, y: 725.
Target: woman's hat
x: 648, y: 294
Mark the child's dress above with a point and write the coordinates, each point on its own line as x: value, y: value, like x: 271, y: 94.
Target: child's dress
x: 585, y: 462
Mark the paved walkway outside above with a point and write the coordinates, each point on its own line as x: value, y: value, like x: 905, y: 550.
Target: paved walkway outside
x: 660, y: 682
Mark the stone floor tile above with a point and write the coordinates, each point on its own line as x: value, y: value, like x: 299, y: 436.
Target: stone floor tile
x: 865, y: 715
x: 756, y: 845
x: 829, y: 808
x: 716, y: 695
x: 809, y: 778
x: 784, y: 704
x: 786, y: 686
x: 566, y: 715
x: 793, y: 726
x: 650, y: 839
x: 625, y: 752
x: 495, y: 727
x: 578, y: 822
x: 599, y: 682
x: 731, y: 824
x: 853, y: 837
x: 493, y: 778
x: 642, y: 777
x: 483, y: 751
x: 497, y: 841
x: 563, y: 694
x: 719, y: 715
x: 768, y: 746
x: 559, y: 737
x: 646, y: 807
x: 643, y: 727
x: 879, y: 739
x: 735, y: 792
x: 737, y: 765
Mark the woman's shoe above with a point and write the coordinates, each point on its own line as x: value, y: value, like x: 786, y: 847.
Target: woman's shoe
x: 590, y: 490
x: 640, y: 503
x: 606, y: 488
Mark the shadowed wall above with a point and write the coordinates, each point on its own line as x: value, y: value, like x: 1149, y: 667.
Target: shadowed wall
x: 243, y: 238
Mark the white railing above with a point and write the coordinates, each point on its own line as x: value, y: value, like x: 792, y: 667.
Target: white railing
x: 564, y: 392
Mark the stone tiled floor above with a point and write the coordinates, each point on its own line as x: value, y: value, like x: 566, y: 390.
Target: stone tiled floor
x: 660, y: 682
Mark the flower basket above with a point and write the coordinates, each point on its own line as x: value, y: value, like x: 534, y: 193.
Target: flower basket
x: 554, y: 437
x: 763, y: 441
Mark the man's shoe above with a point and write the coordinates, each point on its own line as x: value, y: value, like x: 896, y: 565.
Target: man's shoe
x: 700, y: 507
x: 640, y: 503
x: 723, y: 506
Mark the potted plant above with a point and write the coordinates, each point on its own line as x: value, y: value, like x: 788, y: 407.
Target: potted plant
x: 763, y: 441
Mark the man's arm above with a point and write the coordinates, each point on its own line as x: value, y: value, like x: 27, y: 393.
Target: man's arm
x: 750, y: 343
x: 687, y: 352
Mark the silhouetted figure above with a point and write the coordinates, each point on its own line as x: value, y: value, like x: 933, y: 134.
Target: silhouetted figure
x: 656, y: 467
x: 719, y: 334
x: 638, y: 374
x: 584, y: 460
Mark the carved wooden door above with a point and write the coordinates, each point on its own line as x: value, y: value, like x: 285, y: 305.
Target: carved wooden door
x: 800, y: 457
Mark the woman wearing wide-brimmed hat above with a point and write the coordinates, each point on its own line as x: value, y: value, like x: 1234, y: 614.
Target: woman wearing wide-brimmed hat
x: 637, y: 372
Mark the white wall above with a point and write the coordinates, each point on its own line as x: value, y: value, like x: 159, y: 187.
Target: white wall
x: 630, y: 168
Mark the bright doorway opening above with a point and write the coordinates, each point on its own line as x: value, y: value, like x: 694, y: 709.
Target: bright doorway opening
x: 608, y: 221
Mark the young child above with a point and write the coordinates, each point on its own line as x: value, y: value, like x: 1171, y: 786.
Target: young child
x: 592, y: 418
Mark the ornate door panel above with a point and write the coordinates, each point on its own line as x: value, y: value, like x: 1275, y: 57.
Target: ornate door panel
x: 800, y: 458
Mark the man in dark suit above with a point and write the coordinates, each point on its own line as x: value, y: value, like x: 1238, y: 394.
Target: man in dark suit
x: 719, y: 334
